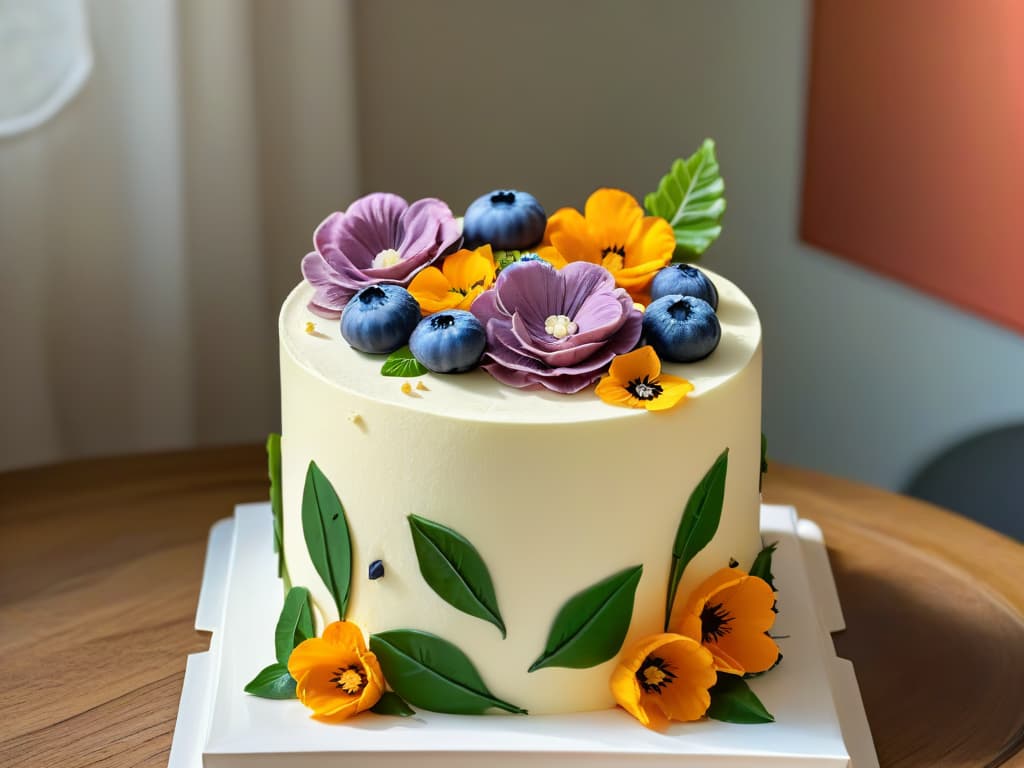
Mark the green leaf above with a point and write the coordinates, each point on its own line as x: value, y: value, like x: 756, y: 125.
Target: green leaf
x: 431, y: 673
x: 402, y: 363
x: 762, y: 565
x: 764, y: 460
x: 590, y: 627
x: 732, y: 701
x: 392, y: 704
x: 327, y: 538
x: 690, y: 197
x: 697, y: 526
x: 272, y: 682
x: 295, y: 623
x: 276, y: 502
x: 454, y: 570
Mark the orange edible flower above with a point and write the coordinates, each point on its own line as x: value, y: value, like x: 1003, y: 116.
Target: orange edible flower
x: 664, y: 677
x: 614, y: 233
x: 730, y: 614
x: 335, y: 675
x: 463, y: 276
x: 635, y: 381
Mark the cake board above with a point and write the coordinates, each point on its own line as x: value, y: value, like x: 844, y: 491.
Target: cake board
x: 813, y: 695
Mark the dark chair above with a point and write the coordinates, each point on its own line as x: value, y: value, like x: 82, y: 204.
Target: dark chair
x: 981, y: 478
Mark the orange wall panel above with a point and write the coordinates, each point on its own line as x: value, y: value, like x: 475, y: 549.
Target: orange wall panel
x: 914, y: 160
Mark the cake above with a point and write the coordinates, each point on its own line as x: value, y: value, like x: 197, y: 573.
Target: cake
x: 520, y: 460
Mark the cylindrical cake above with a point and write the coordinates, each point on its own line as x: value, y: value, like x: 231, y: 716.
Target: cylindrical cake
x: 555, y: 492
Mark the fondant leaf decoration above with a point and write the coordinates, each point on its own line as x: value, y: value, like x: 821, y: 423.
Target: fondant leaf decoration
x: 294, y: 625
x: 690, y: 197
x: 327, y: 538
x: 762, y: 565
x: 391, y: 703
x: 764, y: 460
x: 590, y: 627
x: 732, y: 701
x: 402, y: 363
x: 433, y: 674
x: 276, y: 503
x: 697, y: 526
x: 453, y: 568
x: 272, y: 682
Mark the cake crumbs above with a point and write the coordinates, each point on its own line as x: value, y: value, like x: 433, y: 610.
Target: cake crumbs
x: 312, y: 331
x: 422, y: 387
x: 407, y: 389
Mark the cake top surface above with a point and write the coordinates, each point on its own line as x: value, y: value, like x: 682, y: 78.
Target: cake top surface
x: 477, y: 396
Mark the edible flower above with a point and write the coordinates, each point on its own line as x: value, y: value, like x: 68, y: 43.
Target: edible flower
x: 730, y: 615
x: 635, y: 380
x: 557, y: 329
x: 463, y: 276
x: 664, y: 677
x: 335, y: 675
x: 379, y: 239
x: 613, y: 232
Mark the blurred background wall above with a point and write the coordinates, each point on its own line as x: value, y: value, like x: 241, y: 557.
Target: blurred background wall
x: 251, y: 121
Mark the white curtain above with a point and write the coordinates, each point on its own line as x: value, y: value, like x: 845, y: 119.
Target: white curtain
x: 151, y: 227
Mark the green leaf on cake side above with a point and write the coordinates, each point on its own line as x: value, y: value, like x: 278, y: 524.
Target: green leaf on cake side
x: 453, y: 568
x: 690, y: 197
x: 392, y: 704
x: 431, y: 673
x: 697, y: 526
x: 272, y: 682
x: 276, y: 502
x: 590, y: 627
x: 294, y: 625
x: 402, y: 363
x: 327, y: 537
x: 764, y: 460
x: 732, y: 701
x: 762, y: 565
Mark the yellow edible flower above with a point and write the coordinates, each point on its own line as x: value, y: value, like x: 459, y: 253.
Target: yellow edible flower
x: 463, y: 276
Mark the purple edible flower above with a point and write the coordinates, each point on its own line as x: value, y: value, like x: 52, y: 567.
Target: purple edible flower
x: 557, y: 329
x: 379, y: 239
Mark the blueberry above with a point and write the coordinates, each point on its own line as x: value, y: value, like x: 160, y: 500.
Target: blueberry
x: 684, y: 280
x: 507, y: 219
x: 379, y: 318
x: 452, y: 341
x: 682, y: 329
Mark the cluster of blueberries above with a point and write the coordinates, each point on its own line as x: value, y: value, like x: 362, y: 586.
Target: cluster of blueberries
x: 680, y: 323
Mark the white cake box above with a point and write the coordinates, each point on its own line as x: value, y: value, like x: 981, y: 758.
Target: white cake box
x: 813, y: 694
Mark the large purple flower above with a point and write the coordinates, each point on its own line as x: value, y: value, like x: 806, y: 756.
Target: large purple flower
x: 557, y: 329
x: 379, y: 239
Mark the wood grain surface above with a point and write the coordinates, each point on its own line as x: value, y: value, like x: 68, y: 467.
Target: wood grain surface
x: 100, y: 565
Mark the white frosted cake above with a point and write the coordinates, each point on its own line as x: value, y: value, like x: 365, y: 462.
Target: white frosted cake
x: 520, y: 462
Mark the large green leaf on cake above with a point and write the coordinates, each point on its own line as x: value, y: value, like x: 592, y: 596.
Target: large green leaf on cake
x: 390, y: 703
x: 697, y: 526
x: 453, y: 568
x: 276, y: 502
x: 732, y: 701
x: 295, y: 623
x: 762, y: 565
x: 590, y: 627
x: 691, y: 198
x: 431, y: 673
x: 272, y: 682
x: 327, y: 537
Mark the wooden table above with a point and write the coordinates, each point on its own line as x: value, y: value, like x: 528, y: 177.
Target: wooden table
x: 100, y: 565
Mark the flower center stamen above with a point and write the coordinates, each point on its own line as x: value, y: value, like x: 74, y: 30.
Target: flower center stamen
x: 644, y: 389
x: 613, y: 257
x: 560, y: 326
x: 654, y: 675
x: 714, y: 622
x: 351, y: 680
x: 386, y: 258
